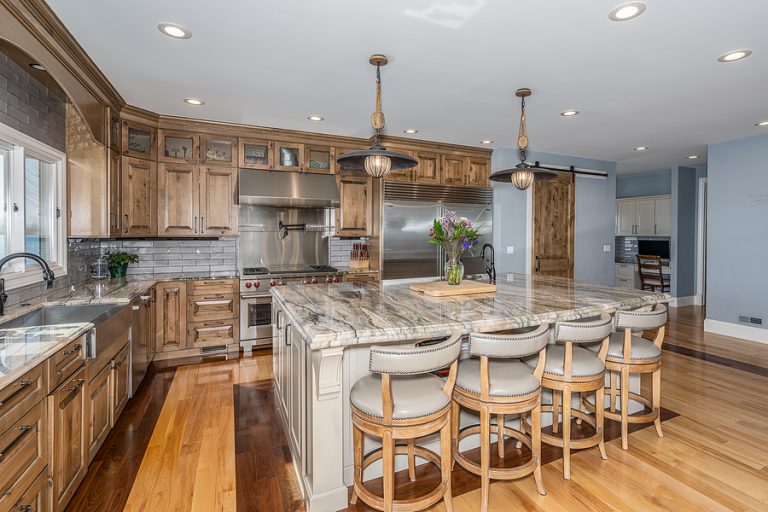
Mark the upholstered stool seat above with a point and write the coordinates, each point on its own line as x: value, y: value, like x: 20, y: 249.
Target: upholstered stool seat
x: 496, y: 382
x: 413, y: 396
x: 401, y: 400
x: 585, y: 362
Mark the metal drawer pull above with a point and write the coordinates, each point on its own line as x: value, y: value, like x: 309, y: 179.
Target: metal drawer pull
x: 209, y: 324
x: 135, y: 308
x: 76, y: 386
x: 23, y: 508
x: 145, y: 297
x: 75, y: 348
x: 22, y: 384
x: 214, y: 297
x: 24, y: 429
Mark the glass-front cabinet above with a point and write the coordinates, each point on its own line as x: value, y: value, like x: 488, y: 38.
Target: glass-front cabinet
x: 289, y: 156
x: 138, y: 140
x: 256, y: 154
x: 320, y: 159
x: 216, y: 150
x: 179, y: 147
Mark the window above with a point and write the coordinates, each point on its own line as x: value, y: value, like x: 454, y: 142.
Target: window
x: 32, y: 198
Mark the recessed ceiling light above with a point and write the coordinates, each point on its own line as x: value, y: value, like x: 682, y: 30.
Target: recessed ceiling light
x: 315, y: 118
x: 194, y: 101
x: 174, y: 31
x: 37, y: 66
x: 640, y: 148
x: 734, y: 55
x: 410, y: 131
x: 627, y: 11
x: 569, y: 113
x: 693, y: 157
x: 486, y: 141
x: 762, y: 123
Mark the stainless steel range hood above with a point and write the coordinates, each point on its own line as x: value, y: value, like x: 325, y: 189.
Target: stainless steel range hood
x: 294, y: 189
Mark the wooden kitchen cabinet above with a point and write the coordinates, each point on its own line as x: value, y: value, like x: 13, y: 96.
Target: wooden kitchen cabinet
x: 454, y: 170
x: 24, y: 448
x: 218, y: 150
x: 353, y: 216
x: 120, y: 388
x: 320, y: 159
x: 139, y: 198
x: 478, y: 172
x: 68, y: 439
x: 178, y: 199
x: 256, y: 154
x: 115, y: 194
x: 171, y: 316
x: 428, y: 168
x: 178, y: 147
x: 289, y: 156
x: 99, y: 410
x: 218, y: 201
x: 213, y: 333
x: 35, y: 499
x: 139, y: 141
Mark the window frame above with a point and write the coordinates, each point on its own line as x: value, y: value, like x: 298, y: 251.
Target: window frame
x: 16, y: 273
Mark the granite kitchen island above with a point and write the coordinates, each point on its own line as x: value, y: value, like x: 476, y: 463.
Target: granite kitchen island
x: 322, y: 335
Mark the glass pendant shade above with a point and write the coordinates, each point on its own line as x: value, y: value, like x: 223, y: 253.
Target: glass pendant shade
x: 377, y: 165
x: 522, y: 179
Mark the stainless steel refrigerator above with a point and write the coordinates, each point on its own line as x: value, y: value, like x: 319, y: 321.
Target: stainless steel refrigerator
x: 408, y: 213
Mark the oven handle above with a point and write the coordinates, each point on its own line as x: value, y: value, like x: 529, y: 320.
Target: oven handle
x: 258, y: 299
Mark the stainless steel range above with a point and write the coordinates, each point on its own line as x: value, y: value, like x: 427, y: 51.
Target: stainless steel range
x: 256, y: 301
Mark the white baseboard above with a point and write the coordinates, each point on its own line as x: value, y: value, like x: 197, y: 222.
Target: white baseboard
x: 745, y: 332
x: 697, y: 300
x: 679, y: 302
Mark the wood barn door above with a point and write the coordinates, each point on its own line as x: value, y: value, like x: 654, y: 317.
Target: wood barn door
x: 553, y: 220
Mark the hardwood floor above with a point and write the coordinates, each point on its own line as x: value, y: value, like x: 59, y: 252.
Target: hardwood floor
x: 206, y: 437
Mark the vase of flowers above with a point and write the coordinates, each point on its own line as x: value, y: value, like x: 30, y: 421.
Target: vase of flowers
x: 456, y: 235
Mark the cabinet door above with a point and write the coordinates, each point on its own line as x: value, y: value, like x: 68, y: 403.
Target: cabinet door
x: 120, y: 373
x: 171, y: 316
x: 178, y: 147
x: 401, y: 174
x: 320, y: 159
x: 454, y: 170
x: 151, y: 307
x: 139, y: 141
x: 644, y: 217
x: 345, y: 171
x: 625, y: 217
x: 353, y: 216
x: 68, y: 425
x: 24, y: 447
x: 256, y: 154
x: 216, y: 150
x: 99, y: 413
x: 218, y: 201
x: 138, y: 202
x: 177, y: 200
x: 663, y: 217
x: 285, y: 368
x: 289, y: 156
x: 478, y: 172
x: 115, y: 193
x: 297, y: 395
x: 428, y: 169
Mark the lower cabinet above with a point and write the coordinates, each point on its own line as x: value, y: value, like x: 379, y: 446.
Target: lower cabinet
x: 290, y: 383
x: 68, y: 440
x: 99, y: 411
x: 24, y: 455
x: 120, y: 373
x: 213, y: 333
x: 35, y: 499
x: 171, y: 316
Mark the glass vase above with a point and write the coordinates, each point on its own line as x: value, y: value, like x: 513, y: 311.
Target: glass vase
x: 454, y: 269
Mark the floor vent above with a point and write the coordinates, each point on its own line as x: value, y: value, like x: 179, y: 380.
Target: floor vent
x: 213, y: 349
x: 750, y: 320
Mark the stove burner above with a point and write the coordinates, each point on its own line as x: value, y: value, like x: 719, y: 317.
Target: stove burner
x: 255, y: 271
x: 323, y: 268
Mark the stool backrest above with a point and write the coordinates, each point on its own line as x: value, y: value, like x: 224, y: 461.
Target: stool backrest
x: 642, y: 318
x: 509, y: 346
x: 588, y: 330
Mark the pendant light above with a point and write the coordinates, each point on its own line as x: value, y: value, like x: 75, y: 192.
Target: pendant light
x: 376, y: 160
x: 522, y: 175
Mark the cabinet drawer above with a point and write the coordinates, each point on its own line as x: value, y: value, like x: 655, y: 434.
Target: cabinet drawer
x: 213, y: 287
x: 20, y: 396
x: 24, y: 451
x: 33, y: 500
x: 65, y: 362
x: 214, y: 332
x: 361, y: 278
x: 212, y: 307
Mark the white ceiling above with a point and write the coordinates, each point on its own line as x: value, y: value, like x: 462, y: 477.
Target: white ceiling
x: 455, y: 65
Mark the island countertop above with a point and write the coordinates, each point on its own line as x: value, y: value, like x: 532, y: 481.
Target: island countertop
x: 364, y: 313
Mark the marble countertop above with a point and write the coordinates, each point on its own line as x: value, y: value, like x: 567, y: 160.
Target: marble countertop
x: 364, y: 313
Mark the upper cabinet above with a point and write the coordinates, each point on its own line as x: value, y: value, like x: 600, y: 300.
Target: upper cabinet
x: 138, y: 200
x: 454, y: 170
x: 428, y: 169
x: 215, y: 150
x: 179, y: 147
x: 353, y: 216
x: 139, y: 141
x: 177, y: 200
x: 644, y: 216
x: 478, y: 172
x: 289, y: 156
x: 320, y: 159
x: 218, y: 201
x: 256, y: 154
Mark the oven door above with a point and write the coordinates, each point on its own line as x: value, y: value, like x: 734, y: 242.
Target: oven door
x: 256, y: 318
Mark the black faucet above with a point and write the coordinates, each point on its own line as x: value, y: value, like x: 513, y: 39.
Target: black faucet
x: 490, y: 263
x: 48, y: 274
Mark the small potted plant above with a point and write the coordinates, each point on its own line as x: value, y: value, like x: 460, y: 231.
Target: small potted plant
x: 117, y: 262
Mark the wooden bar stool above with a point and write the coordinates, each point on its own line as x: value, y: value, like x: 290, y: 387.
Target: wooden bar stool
x: 402, y: 400
x: 631, y: 354
x: 573, y: 369
x: 496, y: 381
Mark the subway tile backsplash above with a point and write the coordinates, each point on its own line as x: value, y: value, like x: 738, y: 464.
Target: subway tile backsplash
x: 340, y: 250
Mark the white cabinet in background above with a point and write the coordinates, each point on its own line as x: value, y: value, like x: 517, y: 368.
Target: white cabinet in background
x: 644, y: 216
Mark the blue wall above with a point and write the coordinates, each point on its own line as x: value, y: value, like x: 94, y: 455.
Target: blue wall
x: 595, y: 217
x: 656, y: 183
x: 683, y: 240
x: 737, y: 229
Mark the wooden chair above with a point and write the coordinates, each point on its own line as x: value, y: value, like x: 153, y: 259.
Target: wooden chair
x: 651, y: 274
x: 402, y: 400
x: 573, y: 369
x: 497, y: 382
x: 629, y: 354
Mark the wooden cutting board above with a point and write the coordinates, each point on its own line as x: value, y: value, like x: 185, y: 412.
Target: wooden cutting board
x: 443, y: 289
